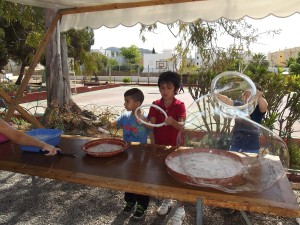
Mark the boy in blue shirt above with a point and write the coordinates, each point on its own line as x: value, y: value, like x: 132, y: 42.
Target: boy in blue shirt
x: 134, y: 131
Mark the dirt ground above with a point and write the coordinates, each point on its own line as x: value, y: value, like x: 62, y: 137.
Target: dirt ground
x: 32, y: 200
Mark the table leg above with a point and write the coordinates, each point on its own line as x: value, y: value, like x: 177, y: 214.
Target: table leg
x: 246, y: 218
x: 34, y: 189
x: 33, y: 183
x: 199, y: 211
x: 171, y: 214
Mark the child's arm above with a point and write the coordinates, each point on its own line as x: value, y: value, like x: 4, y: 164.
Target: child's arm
x: 105, y: 130
x: 153, y: 121
x: 224, y: 99
x: 262, y: 102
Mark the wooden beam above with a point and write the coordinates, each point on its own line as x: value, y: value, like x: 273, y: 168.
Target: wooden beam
x: 22, y: 111
x: 126, y: 5
x: 14, y: 104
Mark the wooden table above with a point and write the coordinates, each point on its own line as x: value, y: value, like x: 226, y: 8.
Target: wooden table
x: 141, y: 169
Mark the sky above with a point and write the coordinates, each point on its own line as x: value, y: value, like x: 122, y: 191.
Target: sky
x: 126, y: 36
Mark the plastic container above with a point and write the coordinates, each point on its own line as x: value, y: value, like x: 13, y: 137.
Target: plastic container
x: 50, y: 136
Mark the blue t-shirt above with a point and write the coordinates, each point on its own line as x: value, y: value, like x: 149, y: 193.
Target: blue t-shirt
x: 132, y: 131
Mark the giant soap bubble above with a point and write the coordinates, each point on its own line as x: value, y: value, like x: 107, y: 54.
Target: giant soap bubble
x: 221, y: 147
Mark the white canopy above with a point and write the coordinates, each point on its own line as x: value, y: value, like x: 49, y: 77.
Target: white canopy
x: 79, y: 14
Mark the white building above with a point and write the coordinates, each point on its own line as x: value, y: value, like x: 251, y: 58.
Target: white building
x: 119, y: 58
x: 112, y: 55
x: 105, y: 52
x: 158, y: 62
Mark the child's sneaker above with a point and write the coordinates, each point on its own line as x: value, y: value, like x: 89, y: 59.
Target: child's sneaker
x: 178, y: 217
x: 165, y: 206
x: 139, y: 212
x: 129, y: 207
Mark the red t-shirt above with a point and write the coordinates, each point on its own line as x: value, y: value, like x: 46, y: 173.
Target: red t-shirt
x: 167, y: 135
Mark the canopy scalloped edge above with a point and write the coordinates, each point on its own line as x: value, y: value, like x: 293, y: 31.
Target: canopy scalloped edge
x: 131, y: 12
x: 210, y: 10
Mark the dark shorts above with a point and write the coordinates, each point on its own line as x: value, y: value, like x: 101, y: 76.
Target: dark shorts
x: 244, y: 142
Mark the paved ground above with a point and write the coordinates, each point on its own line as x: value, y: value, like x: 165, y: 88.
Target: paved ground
x: 115, y: 96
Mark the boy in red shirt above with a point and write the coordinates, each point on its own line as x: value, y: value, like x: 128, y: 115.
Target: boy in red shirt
x: 168, y: 83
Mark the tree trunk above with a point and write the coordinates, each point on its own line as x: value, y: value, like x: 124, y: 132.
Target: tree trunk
x: 22, y: 72
x: 57, y: 74
x: 65, y: 70
x: 61, y: 110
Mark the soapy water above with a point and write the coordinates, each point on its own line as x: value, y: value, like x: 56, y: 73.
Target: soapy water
x: 211, y: 123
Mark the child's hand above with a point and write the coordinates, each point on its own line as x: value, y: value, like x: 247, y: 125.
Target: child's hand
x: 169, y: 120
x: 259, y: 94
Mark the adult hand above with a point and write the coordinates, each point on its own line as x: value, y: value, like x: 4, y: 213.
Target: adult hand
x: 50, y: 149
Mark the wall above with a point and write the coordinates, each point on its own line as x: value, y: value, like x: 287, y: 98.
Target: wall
x: 280, y: 57
x: 153, y: 61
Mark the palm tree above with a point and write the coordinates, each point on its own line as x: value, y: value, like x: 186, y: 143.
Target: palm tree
x: 259, y: 64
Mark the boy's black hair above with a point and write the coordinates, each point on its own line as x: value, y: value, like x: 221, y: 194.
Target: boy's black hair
x: 169, y: 77
x: 136, y: 94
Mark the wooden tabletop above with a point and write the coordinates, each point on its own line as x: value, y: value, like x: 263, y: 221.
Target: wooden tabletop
x: 141, y: 169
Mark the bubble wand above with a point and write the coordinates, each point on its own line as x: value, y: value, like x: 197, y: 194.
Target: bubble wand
x: 150, y: 124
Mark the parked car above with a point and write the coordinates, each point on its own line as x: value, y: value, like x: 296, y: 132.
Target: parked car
x: 286, y: 71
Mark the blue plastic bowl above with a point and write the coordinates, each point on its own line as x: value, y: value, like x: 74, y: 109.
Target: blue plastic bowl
x: 50, y: 136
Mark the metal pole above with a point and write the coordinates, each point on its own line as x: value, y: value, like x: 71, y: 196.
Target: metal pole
x: 148, y: 74
x: 138, y: 75
x: 199, y: 211
x: 109, y: 74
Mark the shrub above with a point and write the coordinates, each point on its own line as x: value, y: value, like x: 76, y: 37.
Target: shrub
x: 126, y: 80
x: 294, y: 150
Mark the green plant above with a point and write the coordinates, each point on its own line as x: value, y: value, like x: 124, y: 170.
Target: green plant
x: 199, y: 86
x: 283, y: 97
x: 126, y: 80
x: 294, y: 150
x: 106, y: 116
x: 9, y: 88
x: 21, y: 124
